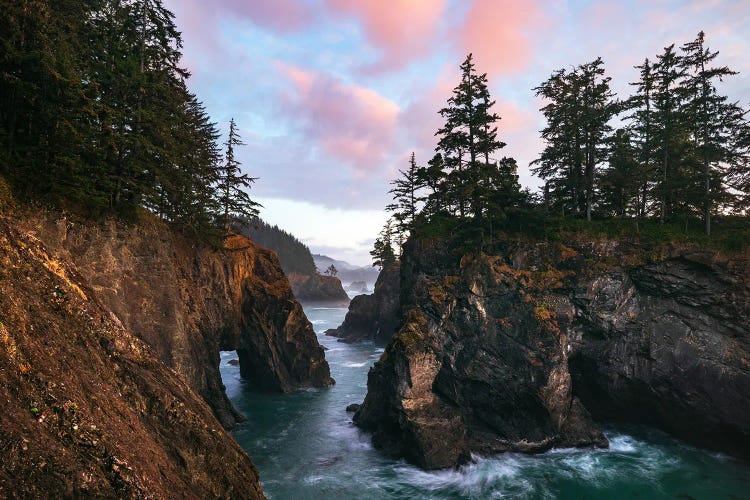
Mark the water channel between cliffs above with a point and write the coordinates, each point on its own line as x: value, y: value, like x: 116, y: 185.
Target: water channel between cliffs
x: 305, y: 446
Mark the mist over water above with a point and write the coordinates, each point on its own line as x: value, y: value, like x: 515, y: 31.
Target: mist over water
x: 305, y: 446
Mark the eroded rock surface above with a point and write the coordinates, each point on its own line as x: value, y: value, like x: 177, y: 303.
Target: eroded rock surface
x: 189, y: 302
x: 516, y: 350
x: 375, y: 316
x: 318, y: 289
x: 668, y: 344
x: 89, y: 409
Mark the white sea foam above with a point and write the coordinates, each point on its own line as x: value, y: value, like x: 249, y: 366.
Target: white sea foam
x: 484, y: 478
x: 355, y: 365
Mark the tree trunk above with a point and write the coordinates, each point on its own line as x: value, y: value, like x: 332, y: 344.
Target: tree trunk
x: 664, y: 185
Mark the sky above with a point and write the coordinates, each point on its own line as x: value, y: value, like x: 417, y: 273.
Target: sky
x: 332, y: 96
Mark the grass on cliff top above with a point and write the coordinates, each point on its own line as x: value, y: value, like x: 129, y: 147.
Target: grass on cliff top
x: 730, y: 234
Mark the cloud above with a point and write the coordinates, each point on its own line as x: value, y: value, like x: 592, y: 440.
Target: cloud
x: 351, y: 123
x: 500, y: 33
x: 401, y: 29
x: 283, y: 16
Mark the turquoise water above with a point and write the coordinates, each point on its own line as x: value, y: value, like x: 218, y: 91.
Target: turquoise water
x: 305, y: 446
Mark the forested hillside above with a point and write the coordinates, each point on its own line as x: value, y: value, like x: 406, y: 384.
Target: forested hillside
x: 294, y: 255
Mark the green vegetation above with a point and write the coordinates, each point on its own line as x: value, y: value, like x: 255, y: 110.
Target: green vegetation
x: 675, y: 170
x: 729, y: 234
x: 382, y: 252
x: 95, y: 116
x: 294, y: 255
x: 682, y: 152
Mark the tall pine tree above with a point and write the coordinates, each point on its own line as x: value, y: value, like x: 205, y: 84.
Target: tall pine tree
x: 580, y: 106
x: 406, y: 197
x: 237, y: 206
x: 466, y: 143
x: 712, y: 118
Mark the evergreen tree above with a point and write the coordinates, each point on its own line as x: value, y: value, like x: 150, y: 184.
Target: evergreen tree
x: 643, y: 131
x: 739, y: 167
x: 382, y: 252
x: 466, y: 143
x: 670, y: 137
x: 560, y: 163
x: 235, y: 202
x: 578, y: 113
x: 621, y: 180
x: 406, y: 197
x: 95, y: 114
x: 434, y: 178
x: 713, y: 120
x: 503, y: 191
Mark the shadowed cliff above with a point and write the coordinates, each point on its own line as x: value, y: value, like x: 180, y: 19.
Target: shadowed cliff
x: 517, y: 349
x: 374, y: 316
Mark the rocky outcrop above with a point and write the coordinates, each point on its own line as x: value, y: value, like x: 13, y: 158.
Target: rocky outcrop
x: 318, y: 289
x: 90, y: 409
x: 668, y: 344
x: 375, y: 316
x: 516, y: 350
x: 188, y: 302
x: 358, y: 287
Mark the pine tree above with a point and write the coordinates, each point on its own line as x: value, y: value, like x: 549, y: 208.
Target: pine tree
x: 406, y: 197
x: 739, y: 166
x: 621, y: 180
x: 643, y: 130
x: 466, y: 142
x: 711, y: 117
x: 382, y: 252
x: 669, y: 125
x: 578, y: 113
x: 598, y: 107
x: 560, y: 163
x: 235, y: 202
x: 434, y: 178
x: 95, y: 114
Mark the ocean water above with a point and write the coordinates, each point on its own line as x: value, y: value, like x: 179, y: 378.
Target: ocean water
x: 306, y: 447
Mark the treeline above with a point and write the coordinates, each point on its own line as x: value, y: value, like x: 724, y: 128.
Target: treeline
x: 95, y: 116
x: 676, y: 150
x: 680, y: 149
x: 294, y: 255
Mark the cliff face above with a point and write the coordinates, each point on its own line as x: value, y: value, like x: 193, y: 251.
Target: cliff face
x: 318, y: 289
x: 668, y: 344
x: 511, y: 351
x: 90, y: 410
x: 189, y: 302
x: 375, y: 316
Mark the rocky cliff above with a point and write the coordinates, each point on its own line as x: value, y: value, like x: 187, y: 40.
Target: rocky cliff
x: 375, y: 316
x: 89, y: 408
x: 188, y: 302
x: 517, y: 349
x: 318, y: 289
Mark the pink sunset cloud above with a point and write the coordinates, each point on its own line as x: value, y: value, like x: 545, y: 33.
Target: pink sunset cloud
x: 354, y: 124
x: 500, y: 34
x: 401, y: 29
